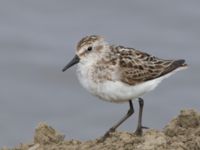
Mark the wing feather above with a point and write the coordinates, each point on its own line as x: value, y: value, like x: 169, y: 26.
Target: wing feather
x: 136, y: 66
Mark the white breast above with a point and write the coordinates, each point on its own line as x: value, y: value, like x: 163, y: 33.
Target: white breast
x: 85, y: 78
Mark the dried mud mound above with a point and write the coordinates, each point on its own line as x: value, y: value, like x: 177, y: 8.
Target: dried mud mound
x: 182, y: 133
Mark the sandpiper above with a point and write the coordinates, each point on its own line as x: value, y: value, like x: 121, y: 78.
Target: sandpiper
x: 120, y: 74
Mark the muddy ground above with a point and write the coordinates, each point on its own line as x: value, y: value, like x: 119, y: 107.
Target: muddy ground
x: 181, y: 133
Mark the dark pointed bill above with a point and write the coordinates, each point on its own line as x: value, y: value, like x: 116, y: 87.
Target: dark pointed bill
x: 74, y: 61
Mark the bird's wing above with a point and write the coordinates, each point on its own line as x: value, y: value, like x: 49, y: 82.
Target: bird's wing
x: 137, y: 67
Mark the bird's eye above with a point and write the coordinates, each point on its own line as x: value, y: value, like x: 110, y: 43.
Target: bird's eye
x: 89, y: 48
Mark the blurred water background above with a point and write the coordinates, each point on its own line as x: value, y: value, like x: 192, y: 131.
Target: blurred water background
x: 38, y: 38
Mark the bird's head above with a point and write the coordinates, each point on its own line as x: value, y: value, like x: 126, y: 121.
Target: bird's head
x: 89, y: 47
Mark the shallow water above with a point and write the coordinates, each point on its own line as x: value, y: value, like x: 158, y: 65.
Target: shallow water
x: 38, y: 38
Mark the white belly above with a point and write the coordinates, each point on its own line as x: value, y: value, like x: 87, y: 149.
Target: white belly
x: 117, y: 91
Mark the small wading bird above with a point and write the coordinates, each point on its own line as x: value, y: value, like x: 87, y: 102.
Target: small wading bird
x: 120, y: 74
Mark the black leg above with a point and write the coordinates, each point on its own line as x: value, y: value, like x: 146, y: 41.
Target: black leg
x: 129, y: 113
x: 140, y: 127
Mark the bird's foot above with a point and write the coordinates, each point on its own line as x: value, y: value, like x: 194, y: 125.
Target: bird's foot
x: 139, y: 130
x: 106, y: 135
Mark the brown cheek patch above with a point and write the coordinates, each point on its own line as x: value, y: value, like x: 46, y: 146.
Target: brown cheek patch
x: 98, y: 48
x: 82, y: 54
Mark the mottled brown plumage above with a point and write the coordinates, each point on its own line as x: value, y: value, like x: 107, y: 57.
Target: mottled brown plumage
x: 137, y: 66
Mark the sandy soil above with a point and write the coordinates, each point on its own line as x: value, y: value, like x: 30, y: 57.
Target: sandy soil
x: 181, y: 133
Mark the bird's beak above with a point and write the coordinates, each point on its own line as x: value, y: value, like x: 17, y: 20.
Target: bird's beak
x: 74, y: 61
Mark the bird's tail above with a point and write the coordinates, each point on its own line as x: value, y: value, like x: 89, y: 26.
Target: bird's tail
x: 179, y: 63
